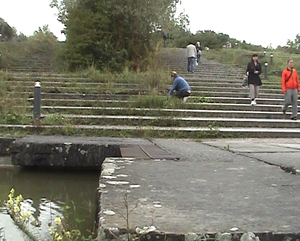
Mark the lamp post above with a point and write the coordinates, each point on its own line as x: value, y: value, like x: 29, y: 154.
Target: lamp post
x: 37, y: 100
x: 299, y: 51
x: 266, y: 70
x: 271, y: 59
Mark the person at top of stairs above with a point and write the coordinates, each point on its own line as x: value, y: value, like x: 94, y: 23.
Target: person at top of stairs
x: 199, y: 51
x: 191, y: 53
x: 290, y: 88
x: 180, y: 85
x: 253, y: 71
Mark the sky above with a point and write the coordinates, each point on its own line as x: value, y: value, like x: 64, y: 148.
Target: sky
x: 261, y: 22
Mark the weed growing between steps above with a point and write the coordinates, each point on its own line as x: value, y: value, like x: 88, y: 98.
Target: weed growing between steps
x: 9, y: 114
x: 138, y: 133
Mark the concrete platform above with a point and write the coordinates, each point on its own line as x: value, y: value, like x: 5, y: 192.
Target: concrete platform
x: 217, y: 188
x: 79, y: 152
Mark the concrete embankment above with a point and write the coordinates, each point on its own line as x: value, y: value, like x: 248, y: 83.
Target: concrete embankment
x: 217, y: 190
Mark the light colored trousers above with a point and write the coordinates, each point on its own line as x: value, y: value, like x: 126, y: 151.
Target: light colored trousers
x: 191, y: 64
x: 254, y: 90
x: 291, y: 97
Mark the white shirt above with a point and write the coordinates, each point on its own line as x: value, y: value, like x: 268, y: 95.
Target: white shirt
x: 191, y: 51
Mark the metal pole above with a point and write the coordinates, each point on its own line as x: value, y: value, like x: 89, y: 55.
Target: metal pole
x: 299, y: 60
x: 37, y: 100
x: 271, y: 59
x: 266, y: 70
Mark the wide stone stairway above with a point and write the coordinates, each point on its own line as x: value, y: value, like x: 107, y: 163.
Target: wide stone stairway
x: 218, y: 106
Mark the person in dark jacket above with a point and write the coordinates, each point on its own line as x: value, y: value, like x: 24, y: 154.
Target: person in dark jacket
x: 180, y: 86
x: 199, y: 52
x: 254, y: 81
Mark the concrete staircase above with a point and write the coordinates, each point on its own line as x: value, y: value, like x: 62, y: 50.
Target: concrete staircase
x: 218, y: 106
x: 33, y: 63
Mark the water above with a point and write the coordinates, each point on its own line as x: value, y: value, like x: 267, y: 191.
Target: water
x: 70, y: 195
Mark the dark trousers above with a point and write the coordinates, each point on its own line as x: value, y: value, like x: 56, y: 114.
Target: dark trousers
x: 182, y: 94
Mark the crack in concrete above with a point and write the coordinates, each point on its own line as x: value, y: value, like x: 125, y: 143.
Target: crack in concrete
x: 288, y: 169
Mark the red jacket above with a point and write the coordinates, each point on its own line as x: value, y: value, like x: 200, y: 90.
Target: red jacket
x: 293, y: 81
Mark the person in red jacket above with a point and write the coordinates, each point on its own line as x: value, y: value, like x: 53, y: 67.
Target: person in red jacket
x: 290, y: 88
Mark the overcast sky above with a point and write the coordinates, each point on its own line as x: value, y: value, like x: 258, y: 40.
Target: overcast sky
x: 261, y: 22
x: 257, y: 22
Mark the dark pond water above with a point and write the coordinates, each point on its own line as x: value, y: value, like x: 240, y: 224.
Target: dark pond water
x: 70, y: 195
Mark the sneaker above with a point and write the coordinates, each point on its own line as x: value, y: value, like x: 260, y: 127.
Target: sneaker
x: 253, y: 102
x: 294, y: 118
x: 185, y: 98
x: 283, y: 111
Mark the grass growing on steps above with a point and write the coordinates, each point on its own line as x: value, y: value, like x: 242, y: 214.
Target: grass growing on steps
x: 8, y: 111
x: 240, y: 57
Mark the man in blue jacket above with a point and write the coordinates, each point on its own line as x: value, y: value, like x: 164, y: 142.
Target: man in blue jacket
x: 180, y: 85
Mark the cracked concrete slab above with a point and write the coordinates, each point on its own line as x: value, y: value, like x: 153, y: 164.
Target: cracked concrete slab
x: 208, y: 190
x: 280, y: 152
x: 256, y: 145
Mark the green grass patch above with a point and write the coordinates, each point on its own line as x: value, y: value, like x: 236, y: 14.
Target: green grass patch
x: 240, y: 57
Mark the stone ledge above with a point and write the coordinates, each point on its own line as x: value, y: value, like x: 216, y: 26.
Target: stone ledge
x: 5, y: 144
x: 64, y: 151
x: 116, y: 234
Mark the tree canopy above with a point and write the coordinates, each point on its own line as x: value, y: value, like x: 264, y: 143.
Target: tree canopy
x: 108, y: 33
x: 5, y: 30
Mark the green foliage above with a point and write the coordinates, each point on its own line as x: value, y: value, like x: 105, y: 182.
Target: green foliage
x: 112, y: 34
x: 59, y: 232
x: 9, y: 113
x: 212, y: 40
x: 241, y: 57
x: 6, y: 31
x: 59, y: 229
x: 148, y: 101
x: 43, y: 35
x: 55, y: 119
x: 39, y: 45
x: 200, y: 99
x: 13, y: 206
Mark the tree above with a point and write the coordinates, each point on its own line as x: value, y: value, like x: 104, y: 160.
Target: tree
x: 110, y: 32
x: 5, y: 30
x: 44, y: 35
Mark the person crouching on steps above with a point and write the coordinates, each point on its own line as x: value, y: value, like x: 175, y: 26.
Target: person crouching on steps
x: 254, y: 81
x: 180, y: 86
x: 290, y: 88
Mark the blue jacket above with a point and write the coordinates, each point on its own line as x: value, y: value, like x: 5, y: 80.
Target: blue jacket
x: 179, y: 84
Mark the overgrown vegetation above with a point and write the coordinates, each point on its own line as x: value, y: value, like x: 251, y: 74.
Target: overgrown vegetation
x: 113, y: 42
x: 113, y: 34
x: 8, y: 112
x: 241, y: 57
x: 60, y: 229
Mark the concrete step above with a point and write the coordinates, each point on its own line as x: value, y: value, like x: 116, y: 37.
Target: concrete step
x: 78, y: 86
x: 211, y: 122
x: 237, y: 100
x: 240, y: 94
x: 218, y: 104
x: 243, y: 104
x: 255, y: 114
x: 190, y: 132
x: 141, y: 90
